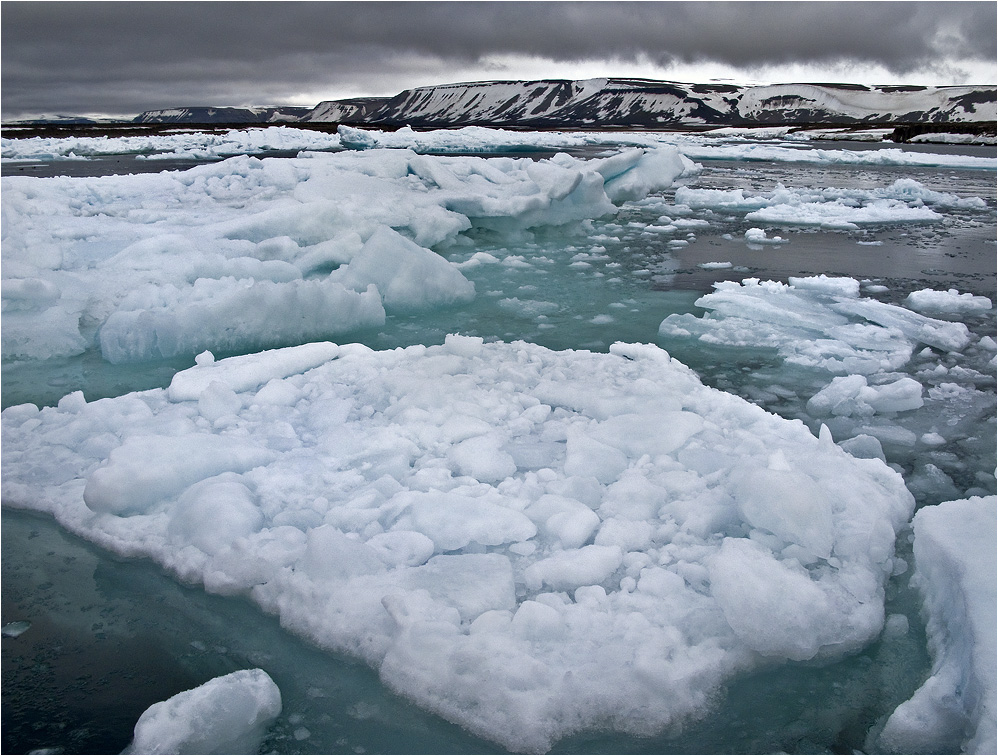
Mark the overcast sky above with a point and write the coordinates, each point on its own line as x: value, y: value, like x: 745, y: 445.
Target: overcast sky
x: 122, y: 58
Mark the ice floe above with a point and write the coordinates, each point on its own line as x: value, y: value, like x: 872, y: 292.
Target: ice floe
x: 249, y: 253
x: 192, y: 145
x: 709, y: 146
x: 955, y: 569
x: 904, y: 201
x: 229, y: 714
x: 886, y: 381
x: 530, y: 543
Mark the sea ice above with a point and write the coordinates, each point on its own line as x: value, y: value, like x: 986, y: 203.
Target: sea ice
x: 758, y: 236
x: 229, y: 714
x: 719, y: 144
x: 695, y: 146
x: 530, y: 543
x: 904, y: 201
x: 950, y: 302
x: 248, y: 254
x: 199, y: 145
x: 955, y: 572
x: 817, y: 322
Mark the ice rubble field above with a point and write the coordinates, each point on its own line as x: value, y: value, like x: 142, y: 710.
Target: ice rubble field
x: 528, y: 542
x: 484, y: 523
x: 238, y: 255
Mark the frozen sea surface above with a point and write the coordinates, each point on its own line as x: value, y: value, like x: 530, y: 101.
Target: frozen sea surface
x: 874, y: 331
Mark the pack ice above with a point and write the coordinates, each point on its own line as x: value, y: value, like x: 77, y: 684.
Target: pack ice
x: 197, y: 145
x: 711, y: 145
x: 530, y: 543
x: 248, y: 254
x: 904, y: 201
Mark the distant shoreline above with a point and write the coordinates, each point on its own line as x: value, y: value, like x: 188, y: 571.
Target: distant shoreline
x: 903, y: 132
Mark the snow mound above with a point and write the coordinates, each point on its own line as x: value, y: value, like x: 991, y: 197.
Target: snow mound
x: 955, y: 569
x: 530, y: 543
x: 229, y: 714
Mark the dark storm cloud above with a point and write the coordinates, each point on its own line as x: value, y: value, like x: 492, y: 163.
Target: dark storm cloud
x: 125, y: 57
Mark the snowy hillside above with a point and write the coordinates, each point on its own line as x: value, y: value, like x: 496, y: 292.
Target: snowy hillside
x: 643, y: 102
x: 624, y: 103
x: 222, y: 115
x: 354, y: 110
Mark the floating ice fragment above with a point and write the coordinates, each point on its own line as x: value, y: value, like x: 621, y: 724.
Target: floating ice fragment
x: 954, y: 710
x: 14, y: 629
x: 229, y: 714
x: 817, y: 322
x: 758, y: 236
x: 408, y: 277
x: 946, y: 302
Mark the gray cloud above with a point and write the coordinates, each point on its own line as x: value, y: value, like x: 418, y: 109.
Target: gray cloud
x: 124, y: 57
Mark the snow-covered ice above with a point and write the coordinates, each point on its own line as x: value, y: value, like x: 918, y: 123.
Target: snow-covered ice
x: 699, y: 146
x: 528, y: 542
x: 904, y: 201
x: 228, y: 714
x: 249, y: 253
x: 758, y: 236
x: 955, y: 570
x: 190, y: 145
x: 950, y: 302
x: 816, y: 322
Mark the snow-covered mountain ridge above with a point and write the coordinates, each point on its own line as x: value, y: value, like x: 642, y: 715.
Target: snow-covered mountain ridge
x: 625, y: 103
x: 223, y: 115
x: 647, y: 103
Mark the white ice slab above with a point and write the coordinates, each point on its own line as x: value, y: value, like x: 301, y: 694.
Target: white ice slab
x: 955, y: 570
x: 528, y: 542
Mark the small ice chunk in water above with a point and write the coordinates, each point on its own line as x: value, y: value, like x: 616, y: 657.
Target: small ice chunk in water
x: 950, y: 302
x: 14, y: 629
x: 758, y: 236
x: 229, y: 714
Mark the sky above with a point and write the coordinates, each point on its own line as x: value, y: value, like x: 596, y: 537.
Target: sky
x: 122, y: 58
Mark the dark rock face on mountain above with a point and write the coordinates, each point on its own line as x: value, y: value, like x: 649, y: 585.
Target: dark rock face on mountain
x: 643, y: 103
x: 223, y: 115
